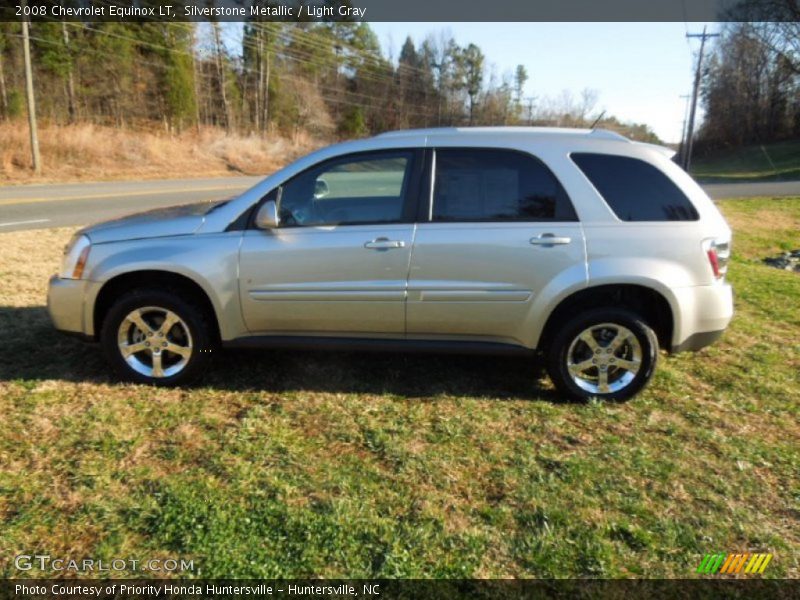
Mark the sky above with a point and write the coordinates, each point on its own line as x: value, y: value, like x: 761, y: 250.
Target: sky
x: 639, y: 70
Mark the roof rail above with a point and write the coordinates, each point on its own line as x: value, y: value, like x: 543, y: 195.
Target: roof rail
x: 603, y: 134
x: 410, y: 132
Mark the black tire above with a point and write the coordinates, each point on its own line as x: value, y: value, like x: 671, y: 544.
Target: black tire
x: 194, y: 318
x: 557, y: 354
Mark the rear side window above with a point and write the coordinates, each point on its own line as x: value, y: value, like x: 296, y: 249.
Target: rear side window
x: 496, y: 185
x: 635, y: 190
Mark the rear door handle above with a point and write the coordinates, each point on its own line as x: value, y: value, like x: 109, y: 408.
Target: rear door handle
x: 549, y: 239
x: 384, y: 244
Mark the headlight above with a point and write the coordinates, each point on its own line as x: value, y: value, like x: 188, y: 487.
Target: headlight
x: 75, y: 256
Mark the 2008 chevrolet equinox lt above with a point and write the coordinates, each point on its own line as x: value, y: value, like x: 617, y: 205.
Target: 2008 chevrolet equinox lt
x: 583, y: 245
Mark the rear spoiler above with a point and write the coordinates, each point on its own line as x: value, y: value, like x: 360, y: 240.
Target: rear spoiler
x: 613, y: 135
x: 668, y: 152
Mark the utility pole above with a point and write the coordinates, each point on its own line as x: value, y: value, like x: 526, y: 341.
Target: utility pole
x: 682, y: 146
x: 687, y: 159
x: 26, y: 50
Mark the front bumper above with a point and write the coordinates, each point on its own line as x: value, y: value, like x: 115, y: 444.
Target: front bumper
x: 65, y: 303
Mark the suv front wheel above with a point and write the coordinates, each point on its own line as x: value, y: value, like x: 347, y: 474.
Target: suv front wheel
x: 607, y: 353
x: 156, y: 337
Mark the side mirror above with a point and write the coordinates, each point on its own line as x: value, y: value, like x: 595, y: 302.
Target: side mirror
x: 321, y: 189
x: 267, y: 216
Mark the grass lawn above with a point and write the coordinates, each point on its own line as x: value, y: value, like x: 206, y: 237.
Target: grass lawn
x: 353, y: 465
x: 770, y: 162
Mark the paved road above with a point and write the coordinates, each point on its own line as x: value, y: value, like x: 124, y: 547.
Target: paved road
x: 749, y: 190
x: 60, y: 205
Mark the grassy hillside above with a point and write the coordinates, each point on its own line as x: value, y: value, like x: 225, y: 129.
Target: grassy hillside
x: 770, y: 162
x: 313, y: 464
x: 115, y: 153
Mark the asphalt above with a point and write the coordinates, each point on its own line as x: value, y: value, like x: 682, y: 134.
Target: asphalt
x: 61, y: 205
x: 720, y: 191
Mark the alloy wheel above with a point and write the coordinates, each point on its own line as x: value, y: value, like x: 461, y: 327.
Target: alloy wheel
x: 604, y: 358
x: 155, y: 342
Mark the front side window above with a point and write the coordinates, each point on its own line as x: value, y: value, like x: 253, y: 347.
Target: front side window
x: 635, y: 190
x: 353, y: 190
x: 496, y: 185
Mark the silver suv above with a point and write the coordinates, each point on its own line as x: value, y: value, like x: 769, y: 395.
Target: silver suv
x: 584, y: 245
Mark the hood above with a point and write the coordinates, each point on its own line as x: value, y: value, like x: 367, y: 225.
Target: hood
x: 161, y: 222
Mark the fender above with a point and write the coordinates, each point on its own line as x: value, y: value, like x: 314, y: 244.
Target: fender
x: 213, y: 266
x: 623, y: 271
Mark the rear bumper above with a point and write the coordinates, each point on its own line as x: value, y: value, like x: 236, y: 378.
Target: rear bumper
x: 697, y: 341
x: 705, y: 312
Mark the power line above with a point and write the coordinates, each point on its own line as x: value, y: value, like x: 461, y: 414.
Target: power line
x: 309, y: 58
x: 244, y: 69
x: 97, y: 52
x: 285, y: 52
x: 282, y: 53
x: 314, y: 39
x: 295, y: 45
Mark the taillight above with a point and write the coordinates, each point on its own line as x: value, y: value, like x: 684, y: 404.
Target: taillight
x: 714, y: 260
x: 718, y: 255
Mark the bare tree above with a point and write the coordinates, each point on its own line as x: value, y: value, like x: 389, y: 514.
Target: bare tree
x: 3, y: 92
x: 71, y: 110
x: 221, y: 79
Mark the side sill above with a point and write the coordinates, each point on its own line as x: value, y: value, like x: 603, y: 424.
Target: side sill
x: 697, y: 341
x: 290, y: 342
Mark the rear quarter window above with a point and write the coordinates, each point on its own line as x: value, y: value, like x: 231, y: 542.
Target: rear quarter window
x: 634, y: 189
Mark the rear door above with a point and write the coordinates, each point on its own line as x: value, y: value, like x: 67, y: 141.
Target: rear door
x: 499, y: 227
x: 338, y: 262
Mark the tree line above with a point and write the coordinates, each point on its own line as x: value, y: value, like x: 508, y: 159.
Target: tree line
x: 328, y: 79
x: 751, y: 84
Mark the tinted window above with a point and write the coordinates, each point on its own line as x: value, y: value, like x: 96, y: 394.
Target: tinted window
x: 634, y: 189
x: 496, y: 185
x: 348, y: 191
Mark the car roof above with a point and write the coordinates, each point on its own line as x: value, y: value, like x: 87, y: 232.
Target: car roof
x: 516, y: 136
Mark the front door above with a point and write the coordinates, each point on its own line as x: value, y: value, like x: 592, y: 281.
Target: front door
x: 338, y: 262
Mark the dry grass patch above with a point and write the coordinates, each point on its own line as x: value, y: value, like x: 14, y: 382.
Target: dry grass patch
x: 134, y: 154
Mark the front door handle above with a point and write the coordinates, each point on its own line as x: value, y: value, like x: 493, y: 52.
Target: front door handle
x: 549, y: 239
x: 383, y: 243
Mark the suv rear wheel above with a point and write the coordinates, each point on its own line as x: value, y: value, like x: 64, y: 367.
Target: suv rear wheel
x: 156, y: 337
x: 607, y: 353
